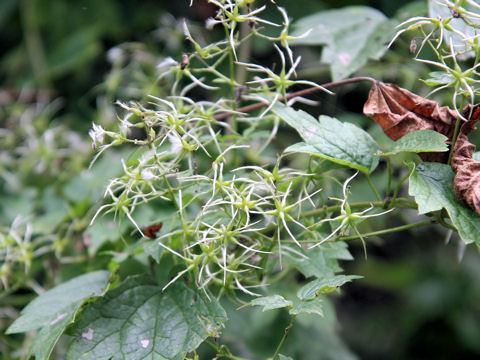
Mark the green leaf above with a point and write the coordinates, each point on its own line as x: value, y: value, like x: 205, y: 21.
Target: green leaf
x: 321, y: 261
x: 411, y: 9
x: 310, y: 338
x: 314, y: 306
x: 154, y: 250
x: 55, y: 309
x: 90, y: 184
x: 432, y: 186
x: 283, y: 357
x: 351, y: 36
x: 55, y: 303
x: 322, y: 286
x: 138, y: 320
x: 45, y: 340
x: 419, y: 141
x: 342, y: 143
x: 104, y: 229
x: 439, y: 78
x: 324, y: 166
x: 20, y: 203
x: 55, y: 209
x: 77, y: 49
x: 271, y: 302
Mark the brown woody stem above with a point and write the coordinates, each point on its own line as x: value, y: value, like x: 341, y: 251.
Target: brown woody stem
x: 311, y: 90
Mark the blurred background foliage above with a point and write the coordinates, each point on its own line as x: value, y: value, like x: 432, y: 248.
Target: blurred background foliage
x: 63, y: 64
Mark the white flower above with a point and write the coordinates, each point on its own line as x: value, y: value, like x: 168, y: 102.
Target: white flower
x: 115, y: 55
x: 96, y: 133
x: 166, y: 64
x: 147, y: 174
x: 176, y: 142
x: 211, y: 22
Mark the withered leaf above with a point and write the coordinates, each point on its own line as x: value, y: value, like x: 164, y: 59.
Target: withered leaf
x: 466, y: 183
x: 399, y: 112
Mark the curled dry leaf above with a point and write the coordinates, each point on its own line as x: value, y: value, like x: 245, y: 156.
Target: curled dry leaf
x: 399, y: 112
x: 466, y: 183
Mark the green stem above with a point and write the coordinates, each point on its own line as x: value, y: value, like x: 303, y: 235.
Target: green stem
x: 212, y: 345
x: 441, y: 220
x: 220, y: 351
x: 389, y: 181
x: 232, y: 82
x: 379, y: 198
x: 397, y: 188
x: 245, y: 48
x: 398, y: 203
x: 455, y: 134
x: 387, y: 231
x: 334, y: 208
x: 287, y: 329
x: 264, y: 260
x: 304, y: 92
x: 454, y: 139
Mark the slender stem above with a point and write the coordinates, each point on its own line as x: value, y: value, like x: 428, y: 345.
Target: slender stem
x: 264, y: 260
x: 389, y: 180
x: 287, y: 329
x: 212, y: 345
x: 398, y: 203
x: 387, y: 231
x: 441, y: 221
x: 397, y: 188
x: 379, y: 198
x: 379, y: 232
x: 219, y: 350
x: 311, y: 90
x: 454, y: 139
x: 360, y: 236
x: 455, y: 134
x: 245, y: 48
x: 334, y: 208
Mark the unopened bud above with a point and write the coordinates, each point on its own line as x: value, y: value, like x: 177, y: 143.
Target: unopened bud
x: 239, y: 91
x: 185, y: 61
x: 413, y: 46
x: 454, y: 13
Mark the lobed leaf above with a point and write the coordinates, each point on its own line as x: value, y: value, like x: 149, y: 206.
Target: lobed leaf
x: 55, y: 309
x: 57, y: 302
x: 321, y: 261
x: 418, y: 142
x: 438, y: 78
x: 321, y: 286
x: 342, y: 143
x: 351, y: 36
x: 271, y: 302
x: 399, y: 112
x: 138, y: 320
x: 432, y: 186
x: 314, y: 306
x: 466, y: 183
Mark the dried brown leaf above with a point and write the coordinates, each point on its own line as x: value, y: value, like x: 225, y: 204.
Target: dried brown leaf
x: 466, y: 183
x: 399, y: 112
